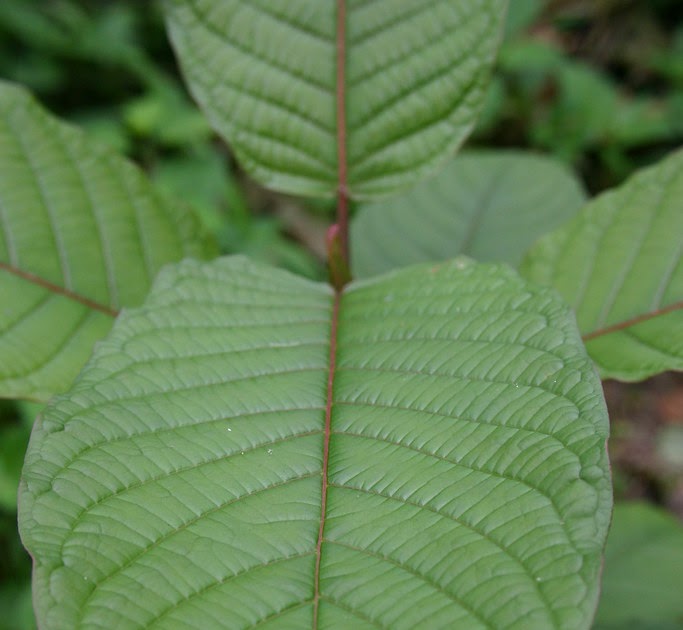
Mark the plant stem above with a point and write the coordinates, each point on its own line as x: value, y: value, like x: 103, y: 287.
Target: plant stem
x: 326, y: 453
x: 342, y: 179
x: 340, y: 275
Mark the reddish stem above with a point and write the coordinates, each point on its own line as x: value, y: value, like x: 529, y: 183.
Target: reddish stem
x: 340, y: 275
x: 338, y: 258
x: 342, y: 176
x: 326, y: 453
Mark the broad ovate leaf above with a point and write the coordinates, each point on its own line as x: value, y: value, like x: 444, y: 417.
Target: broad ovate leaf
x: 490, y: 205
x: 642, y: 581
x: 311, y: 94
x: 82, y: 233
x: 424, y: 450
x: 619, y: 263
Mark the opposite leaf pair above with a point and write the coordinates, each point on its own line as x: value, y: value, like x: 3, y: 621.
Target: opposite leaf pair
x: 423, y: 449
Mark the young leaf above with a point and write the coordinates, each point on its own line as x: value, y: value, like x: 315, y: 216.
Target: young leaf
x: 426, y: 449
x: 643, y: 581
x: 304, y: 90
x: 82, y: 233
x: 489, y: 205
x: 619, y: 263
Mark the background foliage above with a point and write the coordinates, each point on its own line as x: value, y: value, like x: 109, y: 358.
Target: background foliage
x: 598, y: 84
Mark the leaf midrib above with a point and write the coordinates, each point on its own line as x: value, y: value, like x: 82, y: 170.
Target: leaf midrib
x: 54, y: 288
x: 638, y: 319
x: 343, y: 231
x: 329, y: 400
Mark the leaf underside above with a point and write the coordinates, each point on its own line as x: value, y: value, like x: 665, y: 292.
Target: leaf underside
x: 619, y: 260
x: 178, y: 484
x: 265, y: 73
x: 489, y: 205
x: 74, y: 218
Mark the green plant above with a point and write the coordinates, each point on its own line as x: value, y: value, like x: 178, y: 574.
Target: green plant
x: 246, y: 447
x: 594, y: 83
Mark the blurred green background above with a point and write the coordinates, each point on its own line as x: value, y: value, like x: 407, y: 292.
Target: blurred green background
x: 597, y: 83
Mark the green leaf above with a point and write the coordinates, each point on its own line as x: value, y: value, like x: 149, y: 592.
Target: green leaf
x: 15, y: 577
x: 410, y: 77
x: 16, y: 606
x: 426, y: 450
x: 13, y: 442
x: 589, y: 110
x: 82, y: 234
x: 16, y: 420
x: 489, y: 205
x: 619, y: 264
x: 167, y: 116
x: 521, y: 15
x: 643, y: 581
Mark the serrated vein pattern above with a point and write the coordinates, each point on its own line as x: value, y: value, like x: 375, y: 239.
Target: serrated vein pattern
x: 81, y: 231
x: 255, y: 480
x: 620, y: 264
x: 279, y: 112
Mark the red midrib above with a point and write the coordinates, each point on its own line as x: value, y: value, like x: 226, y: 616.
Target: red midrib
x: 54, y: 288
x: 326, y: 451
x: 342, y: 176
x: 343, y: 223
x: 676, y: 306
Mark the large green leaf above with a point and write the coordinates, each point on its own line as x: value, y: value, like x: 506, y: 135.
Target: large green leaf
x: 643, y: 580
x: 426, y: 450
x: 619, y: 263
x: 489, y: 205
x: 291, y: 85
x: 82, y: 233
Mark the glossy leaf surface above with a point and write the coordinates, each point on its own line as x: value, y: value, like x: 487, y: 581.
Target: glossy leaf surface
x: 82, y: 233
x: 488, y: 205
x: 619, y: 263
x: 398, y: 86
x: 441, y: 426
x: 642, y: 581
